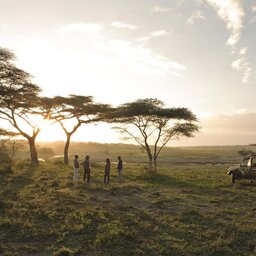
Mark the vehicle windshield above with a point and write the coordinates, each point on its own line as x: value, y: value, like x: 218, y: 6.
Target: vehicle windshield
x: 246, y: 162
x: 253, y: 162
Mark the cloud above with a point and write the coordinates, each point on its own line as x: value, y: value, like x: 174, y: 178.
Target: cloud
x: 143, y: 38
x: 253, y: 18
x: 90, y: 33
x: 236, y: 129
x: 231, y: 11
x: 161, y: 9
x: 243, y: 50
x: 140, y: 59
x: 145, y: 60
x: 119, y: 24
x: 195, y: 16
x: 242, y: 122
x: 241, y: 64
x: 159, y: 33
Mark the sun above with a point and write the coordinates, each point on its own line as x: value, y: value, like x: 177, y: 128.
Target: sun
x: 49, y: 131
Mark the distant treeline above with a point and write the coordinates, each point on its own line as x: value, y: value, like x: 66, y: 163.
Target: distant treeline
x: 135, y: 153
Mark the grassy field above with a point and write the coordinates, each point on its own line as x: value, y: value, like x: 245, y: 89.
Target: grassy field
x: 134, y: 154
x: 184, y: 209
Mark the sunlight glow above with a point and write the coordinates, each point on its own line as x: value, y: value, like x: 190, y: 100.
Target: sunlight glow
x: 101, y: 133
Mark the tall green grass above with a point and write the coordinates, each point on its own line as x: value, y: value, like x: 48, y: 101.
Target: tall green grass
x: 190, y: 209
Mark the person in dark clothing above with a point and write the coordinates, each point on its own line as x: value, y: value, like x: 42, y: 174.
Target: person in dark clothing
x: 120, y: 168
x: 107, y: 171
x: 87, y: 169
x: 76, y: 169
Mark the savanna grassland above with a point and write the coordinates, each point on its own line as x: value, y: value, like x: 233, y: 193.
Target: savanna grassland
x: 187, y: 208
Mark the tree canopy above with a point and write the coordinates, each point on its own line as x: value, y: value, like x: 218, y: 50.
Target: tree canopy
x: 74, y: 108
x: 18, y: 100
x: 152, y: 125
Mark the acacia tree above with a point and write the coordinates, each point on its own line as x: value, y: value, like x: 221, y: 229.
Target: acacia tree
x: 152, y: 125
x: 18, y: 100
x: 71, y: 112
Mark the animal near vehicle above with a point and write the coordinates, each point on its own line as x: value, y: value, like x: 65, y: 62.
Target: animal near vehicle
x: 246, y: 170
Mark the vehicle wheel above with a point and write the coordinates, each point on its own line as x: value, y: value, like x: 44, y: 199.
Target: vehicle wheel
x: 233, y: 178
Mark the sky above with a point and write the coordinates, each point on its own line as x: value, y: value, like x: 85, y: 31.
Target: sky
x: 199, y: 54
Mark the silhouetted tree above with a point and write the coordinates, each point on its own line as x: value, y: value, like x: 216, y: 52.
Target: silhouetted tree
x: 18, y: 99
x: 71, y: 112
x: 152, y: 125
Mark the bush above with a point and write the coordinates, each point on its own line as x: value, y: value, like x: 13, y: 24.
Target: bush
x: 245, y: 152
x: 45, y: 152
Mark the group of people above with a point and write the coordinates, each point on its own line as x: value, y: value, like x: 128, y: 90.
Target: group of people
x: 87, y: 169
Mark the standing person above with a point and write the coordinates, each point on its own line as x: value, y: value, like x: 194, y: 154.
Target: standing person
x: 120, y: 168
x: 107, y: 171
x: 76, y: 169
x: 87, y: 169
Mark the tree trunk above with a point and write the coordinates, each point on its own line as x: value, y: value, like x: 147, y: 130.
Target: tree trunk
x: 66, y: 149
x: 155, y: 165
x: 151, y: 166
x: 33, y: 152
x: 151, y: 163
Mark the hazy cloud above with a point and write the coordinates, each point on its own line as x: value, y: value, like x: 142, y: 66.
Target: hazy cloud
x: 119, y: 24
x: 195, y: 16
x: 161, y: 9
x: 143, y: 38
x: 243, y: 65
x: 145, y: 60
x: 253, y: 19
x: 231, y: 11
x: 159, y: 33
x: 243, y: 50
x: 236, y: 129
x: 243, y: 122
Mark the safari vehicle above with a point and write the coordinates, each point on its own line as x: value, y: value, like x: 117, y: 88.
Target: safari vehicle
x: 246, y: 170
